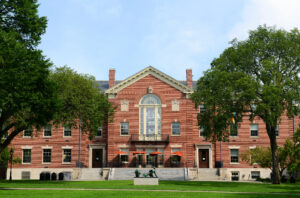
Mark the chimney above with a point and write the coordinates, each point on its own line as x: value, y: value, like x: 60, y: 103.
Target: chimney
x: 111, y: 77
x: 189, y: 78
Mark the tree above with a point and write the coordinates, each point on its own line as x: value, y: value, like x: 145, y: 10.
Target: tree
x: 263, y: 157
x: 82, y: 105
x: 27, y: 96
x: 258, y: 77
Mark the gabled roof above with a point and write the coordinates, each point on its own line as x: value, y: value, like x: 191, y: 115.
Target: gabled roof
x: 154, y: 72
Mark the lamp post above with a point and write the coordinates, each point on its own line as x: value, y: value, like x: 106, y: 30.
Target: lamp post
x: 11, y: 161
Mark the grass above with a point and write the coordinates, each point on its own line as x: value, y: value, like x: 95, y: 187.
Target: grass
x: 292, y: 189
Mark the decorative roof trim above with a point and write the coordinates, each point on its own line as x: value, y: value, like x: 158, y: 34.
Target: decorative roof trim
x: 149, y: 71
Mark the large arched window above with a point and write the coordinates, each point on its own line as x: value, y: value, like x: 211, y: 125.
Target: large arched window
x: 150, y: 116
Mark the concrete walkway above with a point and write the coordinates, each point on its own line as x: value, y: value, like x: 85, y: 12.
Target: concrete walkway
x: 143, y: 190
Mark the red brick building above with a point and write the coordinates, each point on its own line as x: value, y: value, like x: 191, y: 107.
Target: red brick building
x: 155, y: 124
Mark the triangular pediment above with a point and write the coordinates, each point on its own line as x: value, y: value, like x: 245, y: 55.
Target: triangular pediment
x: 149, y: 71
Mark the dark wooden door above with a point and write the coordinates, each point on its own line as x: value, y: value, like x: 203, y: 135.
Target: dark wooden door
x: 97, y: 158
x: 203, y: 158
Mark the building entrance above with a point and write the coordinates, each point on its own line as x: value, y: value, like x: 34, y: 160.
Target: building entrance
x: 97, y: 160
x: 203, y: 158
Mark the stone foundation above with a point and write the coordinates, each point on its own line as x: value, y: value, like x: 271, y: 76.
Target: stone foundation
x: 145, y: 181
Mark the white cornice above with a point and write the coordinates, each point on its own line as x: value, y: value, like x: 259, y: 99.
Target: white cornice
x: 149, y: 71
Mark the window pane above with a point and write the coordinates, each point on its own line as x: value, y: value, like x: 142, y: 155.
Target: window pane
x: 48, y: 130
x: 277, y: 130
x: 150, y: 120
x: 28, y: 132
x: 142, y: 120
x: 99, y: 131
x: 150, y: 99
x: 233, y: 130
x: 67, y: 130
x: 26, y: 155
x: 234, y: 155
x: 47, y: 155
x: 176, y: 128
x: 124, y: 128
x: 201, y: 131
x: 254, y: 129
x: 67, y: 156
x: 159, y: 120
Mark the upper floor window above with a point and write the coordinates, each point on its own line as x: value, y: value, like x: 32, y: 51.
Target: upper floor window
x: 28, y: 132
x: 202, y: 108
x: 48, y: 131
x: 124, y: 128
x: 99, y: 131
x: 150, y: 115
x: 254, y: 129
x: 67, y: 130
x: 176, y: 128
x: 277, y: 130
x: 233, y: 130
x: 201, y: 131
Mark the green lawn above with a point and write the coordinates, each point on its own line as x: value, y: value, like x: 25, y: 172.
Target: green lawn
x: 292, y: 189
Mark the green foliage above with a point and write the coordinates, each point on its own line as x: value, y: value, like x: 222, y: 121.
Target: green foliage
x: 258, y: 77
x: 27, y: 95
x: 293, y: 152
x: 81, y: 99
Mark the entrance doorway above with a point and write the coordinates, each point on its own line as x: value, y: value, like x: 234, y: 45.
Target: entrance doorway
x: 97, y: 160
x: 203, y: 158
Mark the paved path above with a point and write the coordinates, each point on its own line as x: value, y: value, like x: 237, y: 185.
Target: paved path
x: 143, y: 190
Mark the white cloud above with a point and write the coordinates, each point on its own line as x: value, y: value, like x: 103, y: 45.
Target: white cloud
x: 280, y: 13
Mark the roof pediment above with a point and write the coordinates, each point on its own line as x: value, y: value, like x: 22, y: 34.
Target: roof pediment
x: 150, y: 71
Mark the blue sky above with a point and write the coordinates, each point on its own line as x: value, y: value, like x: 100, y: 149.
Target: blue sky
x: 92, y: 36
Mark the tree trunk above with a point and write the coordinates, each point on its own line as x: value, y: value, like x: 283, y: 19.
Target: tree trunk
x: 275, y: 165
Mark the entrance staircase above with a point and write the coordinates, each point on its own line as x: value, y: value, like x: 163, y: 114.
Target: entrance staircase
x: 208, y: 174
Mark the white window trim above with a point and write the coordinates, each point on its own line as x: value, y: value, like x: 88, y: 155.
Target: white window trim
x: 251, y: 136
x: 62, y: 156
x: 69, y: 136
x: 26, y: 135
x: 237, y: 148
x: 46, y: 147
x: 44, y: 133
x: 121, y: 128
x: 176, y: 135
x: 27, y: 148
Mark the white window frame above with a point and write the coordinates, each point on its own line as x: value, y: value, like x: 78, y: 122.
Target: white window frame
x: 238, y: 156
x: 23, y: 155
x: 63, y: 154
x: 254, y: 136
x: 99, y: 136
x: 68, y: 136
x: 44, y: 131
x: 26, y: 136
x: 121, y: 128
x: 44, y: 148
x: 179, y: 128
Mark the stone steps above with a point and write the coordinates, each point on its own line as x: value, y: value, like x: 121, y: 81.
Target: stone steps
x: 208, y: 174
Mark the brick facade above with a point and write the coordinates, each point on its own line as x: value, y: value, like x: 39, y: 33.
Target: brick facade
x: 175, y: 107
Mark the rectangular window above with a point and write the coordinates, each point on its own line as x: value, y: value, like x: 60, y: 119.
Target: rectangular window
x: 202, y: 108
x: 28, y: 132
x: 48, y: 130
x: 124, y: 157
x: 25, y: 175
x: 99, y: 131
x: 67, y: 155
x: 176, y: 128
x: 255, y: 174
x: 26, y: 156
x: 124, y: 128
x: 46, y: 155
x: 201, y: 131
x: 235, y: 176
x: 233, y: 130
x: 67, y: 130
x: 234, y: 155
x: 277, y: 130
x: 254, y: 129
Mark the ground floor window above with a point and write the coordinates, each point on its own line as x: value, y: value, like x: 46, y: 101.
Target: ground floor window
x: 255, y: 174
x: 235, y: 176
x: 25, y: 175
x: 124, y: 157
